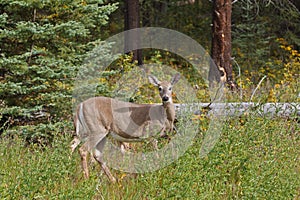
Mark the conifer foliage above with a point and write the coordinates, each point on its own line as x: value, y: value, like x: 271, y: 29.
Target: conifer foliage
x: 42, y: 44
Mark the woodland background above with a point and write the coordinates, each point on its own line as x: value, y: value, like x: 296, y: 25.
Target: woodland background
x: 42, y: 46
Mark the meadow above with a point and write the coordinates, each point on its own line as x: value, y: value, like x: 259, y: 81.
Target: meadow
x: 254, y: 158
x: 45, y: 44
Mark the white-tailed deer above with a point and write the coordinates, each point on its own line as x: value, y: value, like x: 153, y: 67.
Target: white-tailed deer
x: 98, y: 117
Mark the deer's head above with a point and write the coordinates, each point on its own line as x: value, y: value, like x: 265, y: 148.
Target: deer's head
x: 164, y: 87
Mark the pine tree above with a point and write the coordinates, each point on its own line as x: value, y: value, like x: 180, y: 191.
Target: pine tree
x: 42, y: 44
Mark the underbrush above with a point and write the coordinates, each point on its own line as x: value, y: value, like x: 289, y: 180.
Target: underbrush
x: 255, y: 158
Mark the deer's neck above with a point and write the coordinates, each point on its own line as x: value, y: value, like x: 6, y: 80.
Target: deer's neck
x: 170, y: 110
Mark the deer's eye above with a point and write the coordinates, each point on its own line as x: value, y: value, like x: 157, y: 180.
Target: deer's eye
x: 170, y: 88
x: 160, y: 88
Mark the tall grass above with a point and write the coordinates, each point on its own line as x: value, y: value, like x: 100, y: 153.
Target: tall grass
x: 255, y: 158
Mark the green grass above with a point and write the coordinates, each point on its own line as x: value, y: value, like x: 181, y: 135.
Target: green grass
x: 255, y: 158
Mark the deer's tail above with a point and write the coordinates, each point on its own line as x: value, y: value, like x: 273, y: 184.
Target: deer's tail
x: 80, y: 128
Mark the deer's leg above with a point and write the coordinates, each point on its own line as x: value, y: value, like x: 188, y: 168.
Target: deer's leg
x: 84, y: 153
x: 123, y: 151
x: 154, y: 143
x: 75, y: 142
x: 87, y: 148
x: 124, y: 147
x: 169, y: 126
x: 98, y: 156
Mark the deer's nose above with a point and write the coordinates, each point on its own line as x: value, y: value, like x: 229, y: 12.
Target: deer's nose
x: 165, y: 98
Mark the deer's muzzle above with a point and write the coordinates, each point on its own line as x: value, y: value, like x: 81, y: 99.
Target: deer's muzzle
x: 165, y: 98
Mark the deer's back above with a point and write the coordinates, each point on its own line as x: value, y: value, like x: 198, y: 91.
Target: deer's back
x: 129, y: 120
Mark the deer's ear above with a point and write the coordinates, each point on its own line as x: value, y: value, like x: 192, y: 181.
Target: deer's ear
x: 153, y: 80
x: 175, y: 79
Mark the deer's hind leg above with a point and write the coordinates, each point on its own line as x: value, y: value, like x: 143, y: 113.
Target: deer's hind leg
x: 98, y: 155
x: 84, y: 154
x: 74, y: 143
x: 86, y: 148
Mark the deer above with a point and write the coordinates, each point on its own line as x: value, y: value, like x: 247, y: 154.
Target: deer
x: 99, y: 117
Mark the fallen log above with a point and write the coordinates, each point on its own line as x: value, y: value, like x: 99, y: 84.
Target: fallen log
x: 238, y: 109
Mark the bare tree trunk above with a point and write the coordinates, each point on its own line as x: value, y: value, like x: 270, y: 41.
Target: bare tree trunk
x: 132, y: 20
x: 221, y: 40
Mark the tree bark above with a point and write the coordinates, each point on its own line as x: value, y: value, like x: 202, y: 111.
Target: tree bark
x: 221, y: 40
x: 132, y: 20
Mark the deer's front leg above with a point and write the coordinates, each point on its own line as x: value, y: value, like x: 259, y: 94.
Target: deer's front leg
x: 167, y: 129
